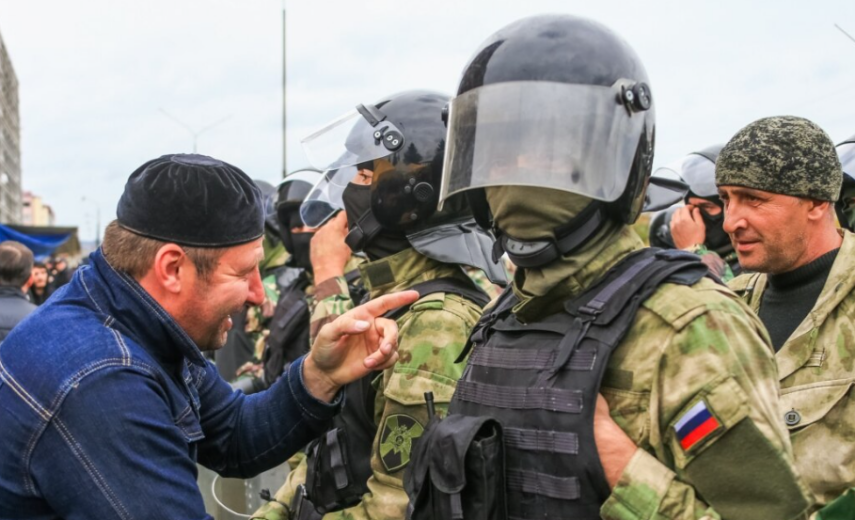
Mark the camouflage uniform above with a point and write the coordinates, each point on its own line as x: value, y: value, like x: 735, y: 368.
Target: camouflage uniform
x: 718, y: 266
x: 258, y: 316
x: 686, y: 345
x: 816, y: 370
x: 431, y: 336
x: 840, y: 509
x: 481, y: 280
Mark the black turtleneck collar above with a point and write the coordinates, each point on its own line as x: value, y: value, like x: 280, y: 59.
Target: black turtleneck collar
x: 806, y: 274
x: 789, y: 297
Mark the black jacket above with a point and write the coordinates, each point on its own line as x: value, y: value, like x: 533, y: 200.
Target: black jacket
x: 14, y: 307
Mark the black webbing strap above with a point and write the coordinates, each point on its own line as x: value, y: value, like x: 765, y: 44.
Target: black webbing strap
x: 503, y: 306
x: 602, y: 298
x: 567, y: 488
x: 352, y: 276
x: 456, y: 506
x: 365, y: 229
x: 464, y: 288
x: 541, y: 440
x: 539, y: 359
x: 336, y: 459
x: 520, y: 398
x: 566, y: 239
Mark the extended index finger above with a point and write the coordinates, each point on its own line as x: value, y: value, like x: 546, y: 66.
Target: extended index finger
x: 383, y: 304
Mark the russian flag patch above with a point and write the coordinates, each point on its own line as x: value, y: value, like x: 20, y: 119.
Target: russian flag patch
x: 696, y: 425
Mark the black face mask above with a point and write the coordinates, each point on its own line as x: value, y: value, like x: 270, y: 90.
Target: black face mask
x: 716, y: 238
x: 297, y: 244
x: 377, y: 245
x: 301, y: 251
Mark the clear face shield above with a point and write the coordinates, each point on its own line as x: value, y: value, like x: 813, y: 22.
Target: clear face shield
x: 325, y: 198
x: 845, y: 207
x: 670, y: 184
x: 666, y: 188
x: 846, y: 153
x: 576, y: 138
x: 360, y: 135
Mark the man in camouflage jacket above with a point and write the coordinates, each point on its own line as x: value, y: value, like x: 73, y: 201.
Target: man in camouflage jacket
x: 687, y: 345
x: 780, y: 177
x: 432, y: 335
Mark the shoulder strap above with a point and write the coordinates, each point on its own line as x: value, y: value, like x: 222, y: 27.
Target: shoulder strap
x: 465, y: 288
x: 503, y: 306
x: 287, y: 277
x: 351, y: 276
x: 619, y: 295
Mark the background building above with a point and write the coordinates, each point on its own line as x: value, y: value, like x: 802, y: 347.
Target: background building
x: 10, y: 142
x: 35, y: 212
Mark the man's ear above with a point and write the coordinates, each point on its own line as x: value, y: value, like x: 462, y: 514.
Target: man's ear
x: 170, y: 268
x: 29, y: 283
x: 819, y: 209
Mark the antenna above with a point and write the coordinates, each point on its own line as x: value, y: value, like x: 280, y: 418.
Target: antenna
x: 844, y: 32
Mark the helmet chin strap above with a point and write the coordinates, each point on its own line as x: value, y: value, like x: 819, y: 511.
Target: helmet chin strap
x: 566, y: 239
x: 366, y: 228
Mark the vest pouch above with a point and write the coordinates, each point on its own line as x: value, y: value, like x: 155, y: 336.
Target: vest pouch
x: 458, y: 471
x: 330, y: 485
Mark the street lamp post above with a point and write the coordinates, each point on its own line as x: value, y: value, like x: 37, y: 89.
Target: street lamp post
x: 194, y: 133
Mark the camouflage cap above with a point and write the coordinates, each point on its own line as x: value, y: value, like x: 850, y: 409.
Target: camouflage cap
x: 782, y: 154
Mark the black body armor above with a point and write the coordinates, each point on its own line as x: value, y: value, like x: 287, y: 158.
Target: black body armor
x: 339, y: 462
x: 540, y: 382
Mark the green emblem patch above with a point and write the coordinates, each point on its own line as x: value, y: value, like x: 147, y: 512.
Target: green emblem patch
x: 396, y: 443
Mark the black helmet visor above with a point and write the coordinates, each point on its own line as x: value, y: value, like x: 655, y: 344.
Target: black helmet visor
x: 576, y: 138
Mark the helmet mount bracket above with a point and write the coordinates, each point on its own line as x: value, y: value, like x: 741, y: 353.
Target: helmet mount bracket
x: 635, y: 97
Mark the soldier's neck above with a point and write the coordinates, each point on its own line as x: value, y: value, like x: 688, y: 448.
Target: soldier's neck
x: 543, y: 291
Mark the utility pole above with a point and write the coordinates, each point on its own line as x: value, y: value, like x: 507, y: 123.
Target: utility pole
x: 284, y: 95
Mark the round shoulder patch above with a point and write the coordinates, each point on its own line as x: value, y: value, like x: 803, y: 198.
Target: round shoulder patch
x: 396, y: 441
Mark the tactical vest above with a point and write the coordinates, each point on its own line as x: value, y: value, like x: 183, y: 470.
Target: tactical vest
x: 540, y: 382
x: 339, y: 462
x: 290, y: 324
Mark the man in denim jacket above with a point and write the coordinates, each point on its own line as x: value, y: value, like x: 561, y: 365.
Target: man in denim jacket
x: 106, y: 402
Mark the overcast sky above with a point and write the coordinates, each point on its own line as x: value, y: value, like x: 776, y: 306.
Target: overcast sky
x: 95, y: 75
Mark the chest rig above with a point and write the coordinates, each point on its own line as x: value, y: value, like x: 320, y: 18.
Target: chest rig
x: 540, y: 382
x: 339, y: 462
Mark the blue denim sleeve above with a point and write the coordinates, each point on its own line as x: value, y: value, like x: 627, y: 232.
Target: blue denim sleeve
x: 113, y: 451
x: 245, y: 435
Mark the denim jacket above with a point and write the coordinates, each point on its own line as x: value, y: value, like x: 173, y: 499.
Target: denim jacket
x: 106, y: 405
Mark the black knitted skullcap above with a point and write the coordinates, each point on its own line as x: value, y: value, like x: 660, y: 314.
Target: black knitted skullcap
x: 192, y: 200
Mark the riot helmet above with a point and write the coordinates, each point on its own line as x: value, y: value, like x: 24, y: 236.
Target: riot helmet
x: 401, y: 140
x: 659, y: 233
x: 559, y: 102
x: 268, y: 197
x: 697, y: 171
x: 290, y: 195
x: 845, y: 205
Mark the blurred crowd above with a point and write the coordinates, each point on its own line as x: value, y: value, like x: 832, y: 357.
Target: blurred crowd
x: 26, y: 283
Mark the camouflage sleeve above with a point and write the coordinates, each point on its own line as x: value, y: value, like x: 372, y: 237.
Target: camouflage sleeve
x: 715, y: 420
x: 840, y: 509
x: 331, y: 300
x: 714, y: 262
x: 431, y: 338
